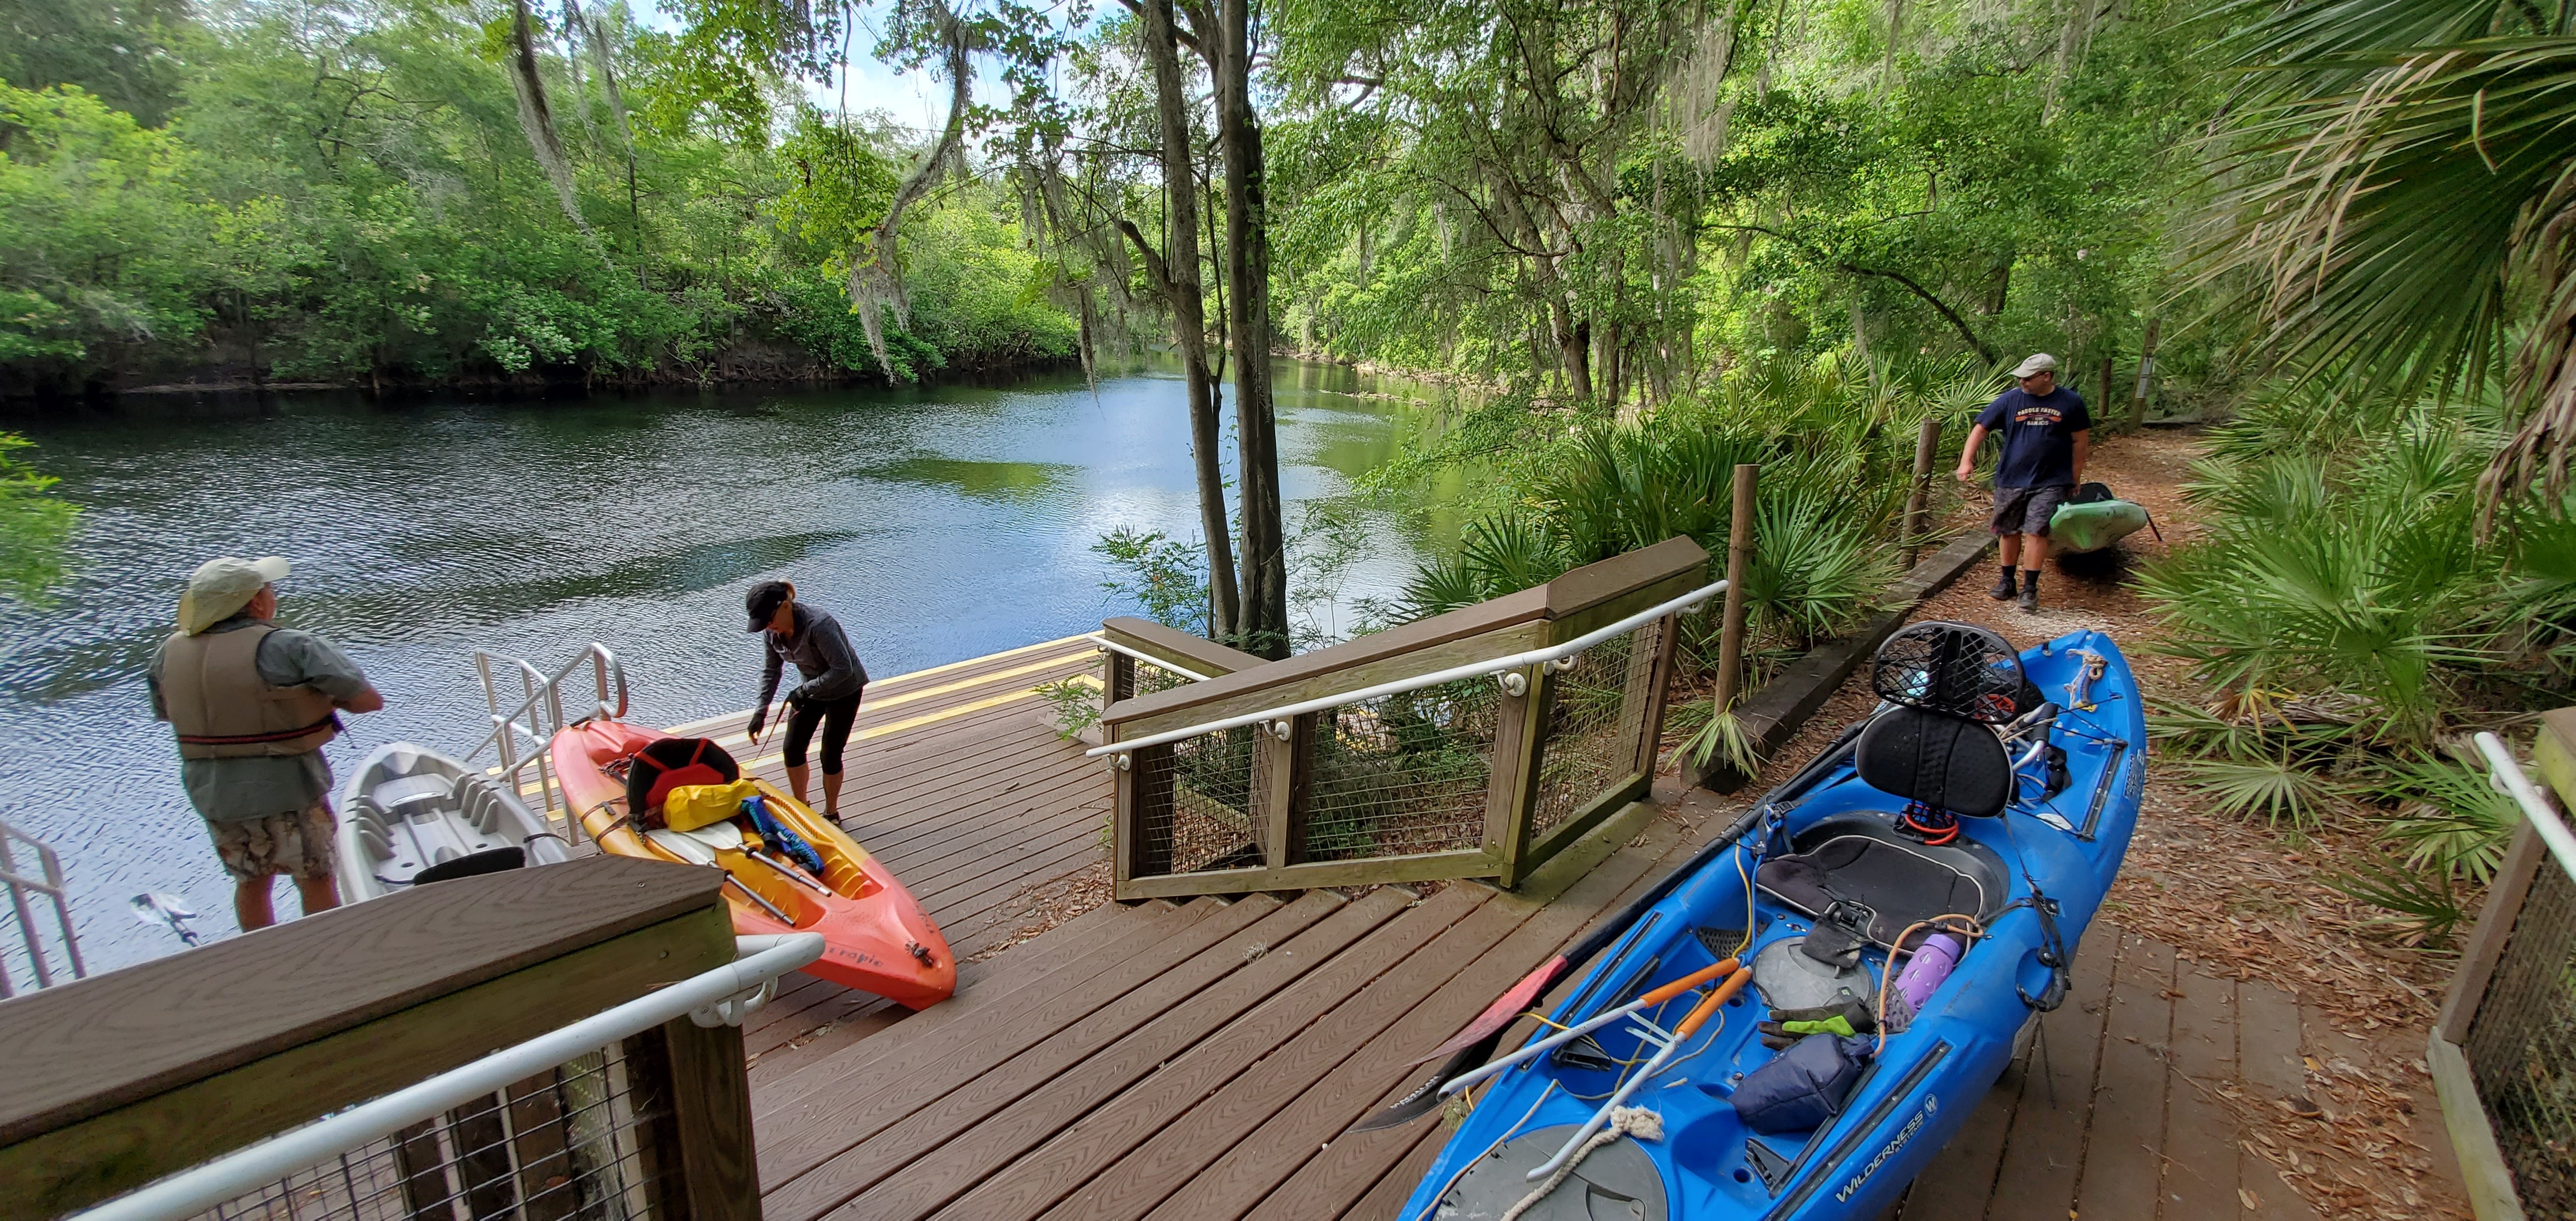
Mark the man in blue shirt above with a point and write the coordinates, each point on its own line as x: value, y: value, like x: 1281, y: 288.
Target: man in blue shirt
x: 2047, y: 436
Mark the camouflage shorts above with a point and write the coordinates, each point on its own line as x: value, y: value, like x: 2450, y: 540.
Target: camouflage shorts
x: 297, y: 845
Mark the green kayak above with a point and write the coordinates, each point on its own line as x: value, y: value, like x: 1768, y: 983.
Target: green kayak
x: 2092, y: 524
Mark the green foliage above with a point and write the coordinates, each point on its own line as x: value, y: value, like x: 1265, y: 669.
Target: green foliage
x: 2354, y: 575
x: 345, y: 194
x: 2423, y: 909
x: 1165, y: 577
x: 35, y: 526
x: 2448, y: 817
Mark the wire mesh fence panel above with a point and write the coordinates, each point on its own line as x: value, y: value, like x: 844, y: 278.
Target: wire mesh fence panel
x: 1402, y: 773
x: 2521, y: 1047
x: 1201, y: 809
x: 1595, y: 715
x: 559, y: 1146
x: 1151, y: 678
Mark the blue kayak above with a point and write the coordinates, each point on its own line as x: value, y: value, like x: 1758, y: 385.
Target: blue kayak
x: 1738, y: 1051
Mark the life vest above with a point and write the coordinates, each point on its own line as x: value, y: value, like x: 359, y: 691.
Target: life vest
x: 222, y: 709
x: 667, y: 763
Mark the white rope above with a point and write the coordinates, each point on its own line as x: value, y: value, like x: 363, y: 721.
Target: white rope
x: 1640, y: 1122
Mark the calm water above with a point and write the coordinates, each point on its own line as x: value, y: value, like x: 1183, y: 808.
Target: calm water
x: 938, y: 524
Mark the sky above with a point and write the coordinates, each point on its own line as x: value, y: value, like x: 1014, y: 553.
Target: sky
x: 913, y: 99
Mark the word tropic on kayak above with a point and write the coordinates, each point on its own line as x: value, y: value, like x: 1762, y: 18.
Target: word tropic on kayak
x: 1902, y: 907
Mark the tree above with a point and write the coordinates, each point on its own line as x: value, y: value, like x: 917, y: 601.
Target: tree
x: 2407, y: 210
x: 35, y: 526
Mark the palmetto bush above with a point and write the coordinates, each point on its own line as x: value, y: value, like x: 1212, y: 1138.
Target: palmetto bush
x: 1835, y: 445
x: 2350, y: 626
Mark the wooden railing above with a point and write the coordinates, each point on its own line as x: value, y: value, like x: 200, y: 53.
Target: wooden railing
x: 121, y: 1079
x: 2503, y: 1051
x: 1483, y: 776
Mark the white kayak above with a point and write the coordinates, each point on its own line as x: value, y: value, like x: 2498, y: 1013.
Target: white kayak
x: 410, y: 816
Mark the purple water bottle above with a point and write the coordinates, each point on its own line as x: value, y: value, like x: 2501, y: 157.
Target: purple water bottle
x: 1930, y: 965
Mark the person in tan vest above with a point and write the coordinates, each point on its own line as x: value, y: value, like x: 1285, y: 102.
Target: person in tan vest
x: 252, y: 703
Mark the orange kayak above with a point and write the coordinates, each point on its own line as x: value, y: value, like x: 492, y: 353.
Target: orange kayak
x: 877, y: 939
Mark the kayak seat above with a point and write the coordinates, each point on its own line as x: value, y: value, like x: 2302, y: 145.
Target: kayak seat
x: 1945, y: 762
x: 2091, y: 493
x: 1861, y: 860
x: 698, y: 847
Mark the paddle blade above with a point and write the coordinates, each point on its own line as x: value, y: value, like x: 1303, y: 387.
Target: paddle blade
x: 1503, y: 1010
x: 1426, y: 1097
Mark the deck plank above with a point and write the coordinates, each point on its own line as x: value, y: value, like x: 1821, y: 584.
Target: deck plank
x: 815, y: 1130
x: 1127, y: 1091
x: 1222, y: 1126
x: 960, y: 1021
x: 1430, y: 1011
x: 1085, y: 1148
x: 2121, y: 1160
x: 830, y: 1187
x: 2200, y: 1177
x: 2045, y: 1146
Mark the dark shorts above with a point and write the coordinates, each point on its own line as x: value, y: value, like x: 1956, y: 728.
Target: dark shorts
x: 833, y: 719
x: 2027, y: 510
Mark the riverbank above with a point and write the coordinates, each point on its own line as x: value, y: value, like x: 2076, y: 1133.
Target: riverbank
x: 744, y: 367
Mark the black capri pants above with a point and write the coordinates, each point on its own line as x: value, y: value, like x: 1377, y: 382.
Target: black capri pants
x: 834, y: 718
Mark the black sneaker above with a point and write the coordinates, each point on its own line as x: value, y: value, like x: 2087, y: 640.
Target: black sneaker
x: 2003, y: 590
x: 2030, y: 598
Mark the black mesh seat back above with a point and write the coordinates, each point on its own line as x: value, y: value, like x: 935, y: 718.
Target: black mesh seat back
x: 1900, y: 885
x: 2091, y: 493
x: 1957, y: 669
x: 1942, y: 761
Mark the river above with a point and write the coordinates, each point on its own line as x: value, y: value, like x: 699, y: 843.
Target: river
x: 938, y: 523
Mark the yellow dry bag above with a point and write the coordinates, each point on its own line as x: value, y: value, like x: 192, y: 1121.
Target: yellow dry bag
x: 691, y: 806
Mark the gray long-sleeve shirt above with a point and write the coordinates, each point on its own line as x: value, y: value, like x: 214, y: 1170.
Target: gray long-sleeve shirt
x: 256, y: 786
x: 822, y: 655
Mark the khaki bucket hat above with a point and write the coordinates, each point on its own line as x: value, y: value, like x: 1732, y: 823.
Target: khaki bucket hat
x: 220, y: 587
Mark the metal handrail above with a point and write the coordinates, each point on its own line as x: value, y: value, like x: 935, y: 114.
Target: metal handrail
x: 1148, y: 658
x: 540, y: 715
x: 2535, y: 808
x: 52, y: 887
x: 710, y: 998
x: 1473, y: 669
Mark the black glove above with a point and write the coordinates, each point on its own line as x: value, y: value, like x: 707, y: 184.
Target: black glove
x: 759, y: 717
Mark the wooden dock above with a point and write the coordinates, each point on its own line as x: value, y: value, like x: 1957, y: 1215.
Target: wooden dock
x: 1201, y: 1060
x: 960, y: 783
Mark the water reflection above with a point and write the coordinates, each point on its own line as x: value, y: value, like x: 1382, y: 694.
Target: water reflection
x: 938, y: 524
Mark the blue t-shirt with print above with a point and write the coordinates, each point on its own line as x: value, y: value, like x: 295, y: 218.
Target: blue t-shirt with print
x: 2038, y: 433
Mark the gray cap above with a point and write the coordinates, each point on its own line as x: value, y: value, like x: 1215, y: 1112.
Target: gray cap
x: 2041, y: 363
x: 220, y: 587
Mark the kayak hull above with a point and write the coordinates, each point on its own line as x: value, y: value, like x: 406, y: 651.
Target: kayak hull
x: 2091, y: 526
x: 1918, y: 1090
x: 876, y: 937
x: 411, y: 816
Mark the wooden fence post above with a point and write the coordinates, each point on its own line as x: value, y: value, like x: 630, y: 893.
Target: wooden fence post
x: 695, y: 1099
x: 2146, y: 374
x: 1927, y: 445
x: 1739, y: 560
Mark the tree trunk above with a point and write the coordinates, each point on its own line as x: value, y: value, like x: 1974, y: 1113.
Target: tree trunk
x: 1180, y: 284
x: 1247, y: 239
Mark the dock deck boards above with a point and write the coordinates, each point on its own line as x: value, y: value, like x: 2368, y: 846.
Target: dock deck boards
x: 1201, y: 1060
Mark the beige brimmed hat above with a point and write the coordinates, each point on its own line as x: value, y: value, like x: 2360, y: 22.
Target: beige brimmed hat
x: 2036, y: 365
x: 220, y: 587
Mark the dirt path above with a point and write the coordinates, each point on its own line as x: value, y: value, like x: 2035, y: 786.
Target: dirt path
x: 2236, y: 898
